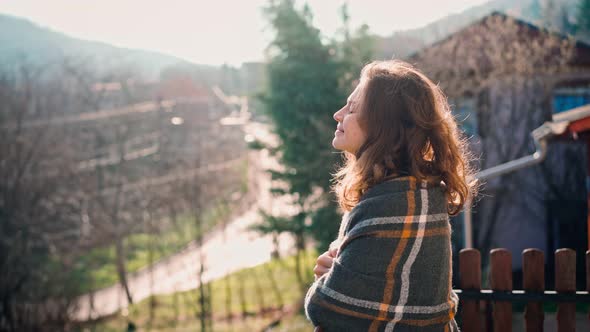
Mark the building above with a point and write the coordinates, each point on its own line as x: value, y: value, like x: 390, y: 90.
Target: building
x: 504, y: 77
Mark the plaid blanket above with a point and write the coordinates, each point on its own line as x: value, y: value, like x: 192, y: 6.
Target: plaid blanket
x: 393, y: 269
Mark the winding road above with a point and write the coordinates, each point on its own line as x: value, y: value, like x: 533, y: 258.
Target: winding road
x: 223, y: 252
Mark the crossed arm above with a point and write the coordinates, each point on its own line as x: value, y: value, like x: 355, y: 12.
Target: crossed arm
x: 325, y: 261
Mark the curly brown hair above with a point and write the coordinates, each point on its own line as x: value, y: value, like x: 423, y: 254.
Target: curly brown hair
x: 410, y: 132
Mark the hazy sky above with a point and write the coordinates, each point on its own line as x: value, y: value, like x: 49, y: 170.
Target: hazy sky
x: 213, y: 31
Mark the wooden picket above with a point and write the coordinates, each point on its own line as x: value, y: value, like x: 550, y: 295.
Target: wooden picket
x: 533, y: 263
x: 501, y: 280
x: 565, y: 281
x: 501, y: 296
x: 470, y: 272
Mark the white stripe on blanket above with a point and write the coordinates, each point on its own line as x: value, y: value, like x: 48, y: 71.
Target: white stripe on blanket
x: 415, y: 309
x: 398, y: 220
x: 405, y: 282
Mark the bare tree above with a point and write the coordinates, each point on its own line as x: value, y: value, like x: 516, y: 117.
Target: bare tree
x: 39, y: 220
x: 87, y: 160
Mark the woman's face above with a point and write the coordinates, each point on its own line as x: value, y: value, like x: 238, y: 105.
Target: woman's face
x: 349, y: 136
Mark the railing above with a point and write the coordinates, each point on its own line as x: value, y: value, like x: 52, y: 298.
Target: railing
x: 501, y: 295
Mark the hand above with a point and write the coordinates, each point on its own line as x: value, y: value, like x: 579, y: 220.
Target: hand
x: 324, y: 262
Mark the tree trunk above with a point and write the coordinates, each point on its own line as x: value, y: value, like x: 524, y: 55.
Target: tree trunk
x: 276, y: 255
x: 175, y: 306
x: 228, y: 298
x: 121, y: 269
x: 274, y: 286
x: 151, y: 267
x: 298, y: 269
x: 299, y: 244
x: 209, y: 307
x: 242, y: 296
x: 202, y: 295
x: 259, y: 291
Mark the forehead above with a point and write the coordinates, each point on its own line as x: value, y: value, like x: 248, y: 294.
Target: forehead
x: 354, y: 96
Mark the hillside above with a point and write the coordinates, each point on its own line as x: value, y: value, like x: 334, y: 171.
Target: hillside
x: 404, y: 43
x: 25, y: 41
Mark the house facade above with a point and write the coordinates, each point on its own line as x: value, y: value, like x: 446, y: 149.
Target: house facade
x: 505, y: 77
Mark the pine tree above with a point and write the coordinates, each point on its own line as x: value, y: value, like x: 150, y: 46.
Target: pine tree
x: 303, y: 93
x: 309, y: 80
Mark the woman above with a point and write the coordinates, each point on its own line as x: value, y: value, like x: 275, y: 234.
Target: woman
x: 405, y: 173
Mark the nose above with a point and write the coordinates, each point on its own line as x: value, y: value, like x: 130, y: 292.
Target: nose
x: 337, y: 116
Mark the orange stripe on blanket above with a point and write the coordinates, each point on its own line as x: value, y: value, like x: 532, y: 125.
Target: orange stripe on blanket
x: 348, y: 312
x: 415, y: 322
x: 389, y: 274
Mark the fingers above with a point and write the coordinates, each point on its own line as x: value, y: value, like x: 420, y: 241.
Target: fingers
x: 334, y: 247
x: 319, y: 271
x: 333, y: 251
x: 324, y: 263
x: 325, y: 260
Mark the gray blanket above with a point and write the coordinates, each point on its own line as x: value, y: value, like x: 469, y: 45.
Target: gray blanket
x: 393, y: 269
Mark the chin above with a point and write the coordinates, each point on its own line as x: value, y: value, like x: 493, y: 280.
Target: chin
x: 336, y: 144
x: 339, y: 148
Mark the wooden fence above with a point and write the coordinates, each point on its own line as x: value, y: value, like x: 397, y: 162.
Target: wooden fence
x: 501, y: 295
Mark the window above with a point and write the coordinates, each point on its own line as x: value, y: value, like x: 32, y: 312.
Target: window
x: 566, y: 98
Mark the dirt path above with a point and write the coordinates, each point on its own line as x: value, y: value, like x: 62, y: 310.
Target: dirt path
x: 223, y: 251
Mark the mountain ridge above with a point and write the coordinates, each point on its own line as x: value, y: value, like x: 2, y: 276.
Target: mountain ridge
x: 24, y: 40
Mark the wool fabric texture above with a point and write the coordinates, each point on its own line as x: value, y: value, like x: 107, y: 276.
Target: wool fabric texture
x: 393, y: 269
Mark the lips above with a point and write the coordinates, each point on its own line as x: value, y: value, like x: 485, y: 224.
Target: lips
x: 339, y: 129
